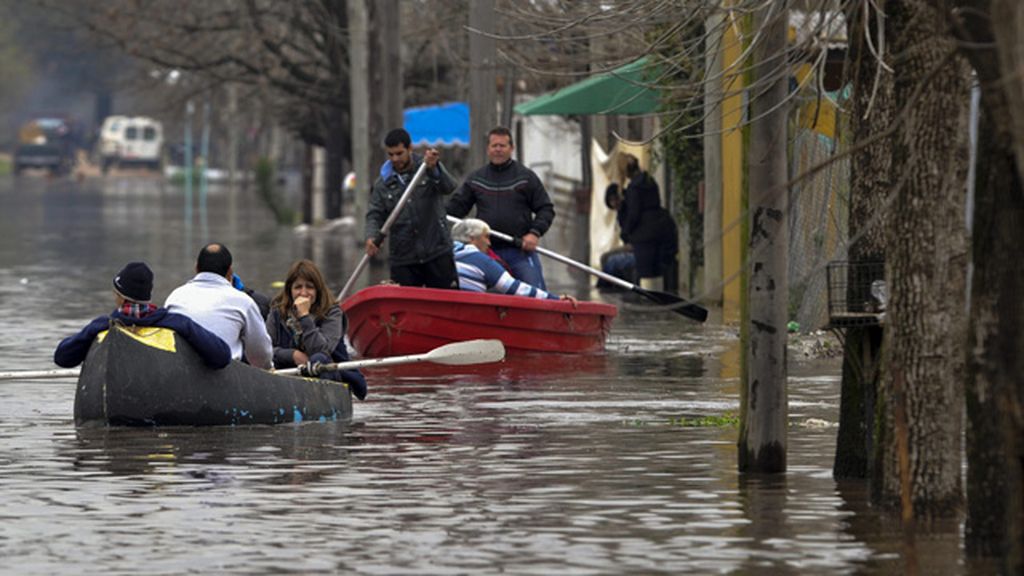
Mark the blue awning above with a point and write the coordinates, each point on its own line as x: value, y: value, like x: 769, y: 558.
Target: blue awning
x: 440, y: 125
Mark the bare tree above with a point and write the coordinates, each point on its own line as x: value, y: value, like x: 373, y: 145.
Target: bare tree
x: 871, y: 115
x: 923, y: 351
x: 297, y: 52
x: 990, y: 37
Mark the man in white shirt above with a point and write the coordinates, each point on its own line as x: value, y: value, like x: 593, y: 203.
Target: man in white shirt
x: 211, y: 301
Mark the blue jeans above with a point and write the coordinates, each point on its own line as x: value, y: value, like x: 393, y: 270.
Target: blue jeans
x: 525, y: 265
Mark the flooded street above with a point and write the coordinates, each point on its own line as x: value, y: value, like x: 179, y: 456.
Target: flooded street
x: 541, y: 465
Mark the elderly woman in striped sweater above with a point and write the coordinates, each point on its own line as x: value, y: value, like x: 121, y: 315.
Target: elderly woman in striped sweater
x: 480, y: 272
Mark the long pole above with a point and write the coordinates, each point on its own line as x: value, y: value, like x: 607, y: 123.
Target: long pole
x: 385, y: 228
x: 40, y: 374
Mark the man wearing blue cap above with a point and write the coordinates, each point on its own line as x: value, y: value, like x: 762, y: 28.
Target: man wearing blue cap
x: 133, y: 288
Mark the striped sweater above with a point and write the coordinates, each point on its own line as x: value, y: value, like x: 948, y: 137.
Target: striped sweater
x: 478, y: 272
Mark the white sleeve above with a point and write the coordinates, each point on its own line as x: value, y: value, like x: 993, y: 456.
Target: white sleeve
x: 258, y: 349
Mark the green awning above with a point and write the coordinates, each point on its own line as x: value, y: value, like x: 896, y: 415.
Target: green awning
x: 624, y: 90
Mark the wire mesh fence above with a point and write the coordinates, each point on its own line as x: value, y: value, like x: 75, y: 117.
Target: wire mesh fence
x: 857, y: 293
x: 818, y: 214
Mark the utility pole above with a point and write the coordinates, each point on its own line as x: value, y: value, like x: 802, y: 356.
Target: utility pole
x: 764, y: 403
x: 362, y: 142
x: 713, y: 162
x: 483, y: 95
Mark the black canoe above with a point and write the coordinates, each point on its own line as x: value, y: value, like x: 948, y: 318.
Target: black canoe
x: 154, y: 378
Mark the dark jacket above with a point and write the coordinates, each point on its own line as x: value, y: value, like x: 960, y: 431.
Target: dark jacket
x: 640, y: 214
x: 215, y: 353
x: 509, y: 197
x: 326, y: 336
x: 420, y: 233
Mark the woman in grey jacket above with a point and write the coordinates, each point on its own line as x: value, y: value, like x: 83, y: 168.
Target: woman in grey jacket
x: 305, y: 326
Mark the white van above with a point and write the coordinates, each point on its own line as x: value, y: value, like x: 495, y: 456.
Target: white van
x: 131, y: 140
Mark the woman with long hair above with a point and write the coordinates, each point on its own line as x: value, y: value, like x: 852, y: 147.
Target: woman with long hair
x: 305, y: 326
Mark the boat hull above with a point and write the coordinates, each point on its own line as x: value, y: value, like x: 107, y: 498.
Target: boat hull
x: 126, y: 381
x: 397, y: 320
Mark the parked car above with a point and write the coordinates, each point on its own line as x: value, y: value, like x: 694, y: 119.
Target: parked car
x: 47, y: 143
x: 126, y: 140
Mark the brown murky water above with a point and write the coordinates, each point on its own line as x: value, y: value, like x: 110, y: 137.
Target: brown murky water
x: 542, y: 465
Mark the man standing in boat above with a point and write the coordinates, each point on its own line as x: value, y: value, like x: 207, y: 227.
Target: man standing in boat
x: 511, y: 199
x: 421, y: 249
x: 210, y: 299
x: 133, y: 287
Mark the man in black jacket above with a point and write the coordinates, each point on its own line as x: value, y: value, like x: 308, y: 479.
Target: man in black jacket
x: 511, y: 199
x: 421, y: 247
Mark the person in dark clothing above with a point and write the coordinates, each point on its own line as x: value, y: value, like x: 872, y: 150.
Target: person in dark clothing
x: 511, y: 199
x: 619, y: 262
x: 421, y: 248
x: 133, y: 287
x: 645, y: 225
x: 262, y: 300
x: 306, y: 327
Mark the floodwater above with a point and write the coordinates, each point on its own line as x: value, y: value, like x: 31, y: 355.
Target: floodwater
x: 541, y: 465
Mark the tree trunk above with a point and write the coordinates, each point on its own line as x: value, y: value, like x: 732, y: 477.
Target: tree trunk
x: 336, y: 148
x: 336, y: 137
x: 995, y: 390
x: 870, y: 181
x: 762, y: 443
x: 923, y: 356
x: 995, y: 363
x: 386, y: 86
x: 482, y: 75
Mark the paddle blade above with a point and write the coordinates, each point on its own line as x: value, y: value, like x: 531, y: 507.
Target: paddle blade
x: 680, y: 306
x: 469, y: 352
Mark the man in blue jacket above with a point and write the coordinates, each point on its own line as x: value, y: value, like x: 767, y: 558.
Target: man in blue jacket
x: 133, y: 287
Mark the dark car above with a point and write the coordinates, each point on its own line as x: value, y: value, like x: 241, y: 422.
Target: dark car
x: 47, y: 143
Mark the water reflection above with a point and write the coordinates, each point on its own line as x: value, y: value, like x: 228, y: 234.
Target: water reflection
x: 278, y: 455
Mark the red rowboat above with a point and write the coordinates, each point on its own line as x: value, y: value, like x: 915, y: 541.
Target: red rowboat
x: 397, y: 320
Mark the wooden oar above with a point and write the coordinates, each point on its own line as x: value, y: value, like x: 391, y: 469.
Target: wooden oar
x: 40, y: 374
x: 679, y: 305
x: 385, y: 228
x: 454, y: 354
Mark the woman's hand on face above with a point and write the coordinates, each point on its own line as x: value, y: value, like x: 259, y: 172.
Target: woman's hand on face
x: 302, y: 304
x: 299, y: 357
